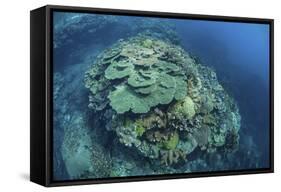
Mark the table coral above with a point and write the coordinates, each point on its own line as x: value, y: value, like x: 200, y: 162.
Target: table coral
x: 160, y: 102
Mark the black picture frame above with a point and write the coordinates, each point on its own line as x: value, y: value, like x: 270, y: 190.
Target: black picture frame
x: 41, y: 94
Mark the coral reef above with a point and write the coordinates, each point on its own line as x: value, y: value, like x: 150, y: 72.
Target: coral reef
x: 83, y: 158
x: 148, y: 107
x: 160, y: 102
x: 70, y: 27
x: 172, y: 156
x: 144, y: 79
x: 74, y: 32
x: 183, y: 109
x: 76, y: 153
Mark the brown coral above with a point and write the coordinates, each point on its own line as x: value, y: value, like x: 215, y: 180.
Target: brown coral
x: 169, y: 157
x: 154, y: 120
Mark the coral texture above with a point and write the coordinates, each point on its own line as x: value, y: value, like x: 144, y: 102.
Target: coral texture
x: 161, y: 102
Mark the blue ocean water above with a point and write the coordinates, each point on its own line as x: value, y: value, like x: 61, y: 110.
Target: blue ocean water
x: 238, y: 52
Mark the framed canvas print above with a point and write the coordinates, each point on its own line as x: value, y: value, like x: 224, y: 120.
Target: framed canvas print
x: 119, y: 95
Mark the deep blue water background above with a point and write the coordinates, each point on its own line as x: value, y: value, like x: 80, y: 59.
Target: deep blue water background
x: 238, y: 52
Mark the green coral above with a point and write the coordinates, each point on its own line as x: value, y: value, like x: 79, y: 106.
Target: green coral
x: 135, y: 71
x: 167, y: 67
x: 138, y: 80
x: 181, y: 88
x: 147, y: 43
x: 140, y: 129
x: 123, y: 99
x: 146, y: 90
x: 118, y: 70
x: 111, y: 54
x: 219, y: 139
x: 146, y: 87
x: 184, y: 108
x: 172, y: 142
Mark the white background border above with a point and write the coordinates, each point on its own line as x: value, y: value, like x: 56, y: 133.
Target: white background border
x: 14, y: 97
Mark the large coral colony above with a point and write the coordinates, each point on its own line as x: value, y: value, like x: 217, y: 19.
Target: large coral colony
x: 160, y: 102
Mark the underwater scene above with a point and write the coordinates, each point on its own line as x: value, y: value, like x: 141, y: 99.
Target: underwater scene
x: 139, y: 96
